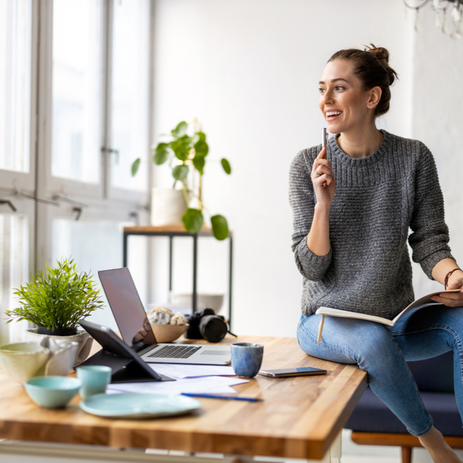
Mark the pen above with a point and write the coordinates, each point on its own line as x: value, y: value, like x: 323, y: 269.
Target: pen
x: 324, y: 142
x: 224, y: 397
x: 324, y: 139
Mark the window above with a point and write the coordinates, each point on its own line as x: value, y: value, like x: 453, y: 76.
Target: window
x: 14, y: 269
x: 129, y: 135
x: 76, y: 115
x: 77, y: 90
x: 15, y: 84
x: 17, y: 90
x: 17, y: 93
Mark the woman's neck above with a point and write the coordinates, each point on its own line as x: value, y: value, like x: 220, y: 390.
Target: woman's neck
x: 360, y: 144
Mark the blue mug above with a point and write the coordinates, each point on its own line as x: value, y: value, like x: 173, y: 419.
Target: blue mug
x: 94, y: 379
x: 246, y: 358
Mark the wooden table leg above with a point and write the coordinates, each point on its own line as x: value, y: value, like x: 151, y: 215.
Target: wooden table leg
x: 336, y: 449
x: 325, y: 459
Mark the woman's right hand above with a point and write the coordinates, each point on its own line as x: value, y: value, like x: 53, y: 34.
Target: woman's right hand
x: 323, y: 179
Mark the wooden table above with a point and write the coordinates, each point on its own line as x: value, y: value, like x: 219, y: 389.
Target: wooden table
x: 300, y: 417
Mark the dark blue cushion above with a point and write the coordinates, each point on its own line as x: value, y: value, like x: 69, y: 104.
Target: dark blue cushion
x: 434, y: 375
x: 371, y: 415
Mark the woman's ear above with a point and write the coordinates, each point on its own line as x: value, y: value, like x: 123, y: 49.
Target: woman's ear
x: 375, y: 97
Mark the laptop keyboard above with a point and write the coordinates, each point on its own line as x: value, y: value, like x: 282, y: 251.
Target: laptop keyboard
x: 175, y: 352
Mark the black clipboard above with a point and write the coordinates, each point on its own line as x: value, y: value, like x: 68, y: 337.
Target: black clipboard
x: 126, y: 365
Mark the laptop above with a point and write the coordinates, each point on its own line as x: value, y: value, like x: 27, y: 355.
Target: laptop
x: 137, y: 333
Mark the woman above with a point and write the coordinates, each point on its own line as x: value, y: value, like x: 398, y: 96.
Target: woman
x: 352, y: 215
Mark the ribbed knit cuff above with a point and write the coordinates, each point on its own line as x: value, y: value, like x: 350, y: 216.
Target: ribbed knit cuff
x: 432, y: 260
x: 311, y: 266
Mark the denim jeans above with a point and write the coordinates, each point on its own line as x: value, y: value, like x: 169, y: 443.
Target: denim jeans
x: 382, y: 352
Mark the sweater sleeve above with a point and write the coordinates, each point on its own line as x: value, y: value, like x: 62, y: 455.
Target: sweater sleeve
x: 430, y: 235
x: 302, y: 201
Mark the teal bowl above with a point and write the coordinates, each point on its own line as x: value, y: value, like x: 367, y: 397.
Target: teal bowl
x: 52, y: 391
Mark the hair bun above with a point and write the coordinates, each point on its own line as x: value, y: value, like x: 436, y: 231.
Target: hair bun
x: 383, y: 55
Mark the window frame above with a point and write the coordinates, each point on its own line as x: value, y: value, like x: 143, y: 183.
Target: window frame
x: 40, y: 196
x: 50, y: 186
x: 111, y: 191
x: 67, y: 192
x: 24, y: 182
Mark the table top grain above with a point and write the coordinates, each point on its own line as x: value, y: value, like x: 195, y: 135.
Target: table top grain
x: 299, y: 417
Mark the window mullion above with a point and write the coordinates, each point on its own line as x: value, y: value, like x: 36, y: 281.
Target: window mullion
x: 106, y: 145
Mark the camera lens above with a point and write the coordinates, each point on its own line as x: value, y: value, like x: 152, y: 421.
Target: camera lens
x: 213, y: 328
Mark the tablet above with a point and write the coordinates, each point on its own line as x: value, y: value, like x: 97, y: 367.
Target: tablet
x: 126, y: 364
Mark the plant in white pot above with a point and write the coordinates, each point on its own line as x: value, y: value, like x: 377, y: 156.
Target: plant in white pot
x: 56, y: 302
x: 185, y: 152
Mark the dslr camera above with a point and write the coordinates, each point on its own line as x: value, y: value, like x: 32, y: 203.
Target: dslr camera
x: 206, y: 325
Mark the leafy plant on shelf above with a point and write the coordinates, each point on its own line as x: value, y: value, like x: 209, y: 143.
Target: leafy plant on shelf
x: 58, y: 300
x: 185, y: 152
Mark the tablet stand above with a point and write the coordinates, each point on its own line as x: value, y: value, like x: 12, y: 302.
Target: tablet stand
x: 123, y: 369
x: 126, y: 365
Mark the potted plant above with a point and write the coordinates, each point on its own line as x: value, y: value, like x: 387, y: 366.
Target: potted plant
x: 186, y: 153
x: 56, y: 302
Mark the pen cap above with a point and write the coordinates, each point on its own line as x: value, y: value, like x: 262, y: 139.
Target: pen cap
x: 324, y: 136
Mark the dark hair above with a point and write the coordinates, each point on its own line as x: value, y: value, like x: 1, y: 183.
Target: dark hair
x: 371, y: 66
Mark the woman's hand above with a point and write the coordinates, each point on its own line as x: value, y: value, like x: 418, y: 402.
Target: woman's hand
x: 323, y: 179
x: 452, y: 299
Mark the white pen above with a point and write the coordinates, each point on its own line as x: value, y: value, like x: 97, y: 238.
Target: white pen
x: 324, y: 139
x: 324, y: 142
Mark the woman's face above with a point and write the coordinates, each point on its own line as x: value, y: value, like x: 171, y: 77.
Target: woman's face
x: 345, y: 106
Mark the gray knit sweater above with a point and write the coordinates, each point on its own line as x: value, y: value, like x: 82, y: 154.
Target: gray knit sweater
x: 378, y: 200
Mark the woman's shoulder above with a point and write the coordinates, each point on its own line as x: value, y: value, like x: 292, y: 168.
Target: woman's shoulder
x: 409, y: 145
x: 305, y: 157
x: 412, y: 155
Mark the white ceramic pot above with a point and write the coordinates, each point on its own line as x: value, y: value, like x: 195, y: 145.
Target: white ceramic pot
x: 63, y: 356
x: 167, y: 206
x: 82, y: 338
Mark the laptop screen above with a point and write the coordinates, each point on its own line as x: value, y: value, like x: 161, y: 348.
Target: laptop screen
x: 127, y: 308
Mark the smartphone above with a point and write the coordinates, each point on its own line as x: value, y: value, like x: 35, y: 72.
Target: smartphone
x: 303, y: 371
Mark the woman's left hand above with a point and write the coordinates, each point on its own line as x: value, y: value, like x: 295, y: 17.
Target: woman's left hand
x: 452, y: 299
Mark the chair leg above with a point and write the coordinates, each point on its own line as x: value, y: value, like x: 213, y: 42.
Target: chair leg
x: 406, y: 454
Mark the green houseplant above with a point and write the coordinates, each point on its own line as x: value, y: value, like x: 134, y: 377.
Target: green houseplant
x: 57, y: 301
x: 186, y: 151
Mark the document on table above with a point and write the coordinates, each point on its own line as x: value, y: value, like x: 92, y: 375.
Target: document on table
x: 190, y: 371
x: 209, y: 384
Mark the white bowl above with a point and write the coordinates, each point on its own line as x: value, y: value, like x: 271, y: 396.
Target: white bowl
x: 23, y: 360
x: 168, y: 333
x: 205, y: 300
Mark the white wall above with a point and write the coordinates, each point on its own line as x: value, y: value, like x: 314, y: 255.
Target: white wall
x: 437, y: 120
x: 249, y: 70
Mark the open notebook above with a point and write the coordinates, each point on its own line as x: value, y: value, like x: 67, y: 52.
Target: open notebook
x: 422, y: 301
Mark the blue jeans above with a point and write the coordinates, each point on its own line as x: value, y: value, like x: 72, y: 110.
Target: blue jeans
x: 382, y: 352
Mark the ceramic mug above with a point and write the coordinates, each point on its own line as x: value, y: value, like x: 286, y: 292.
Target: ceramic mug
x: 94, y: 379
x: 246, y: 358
